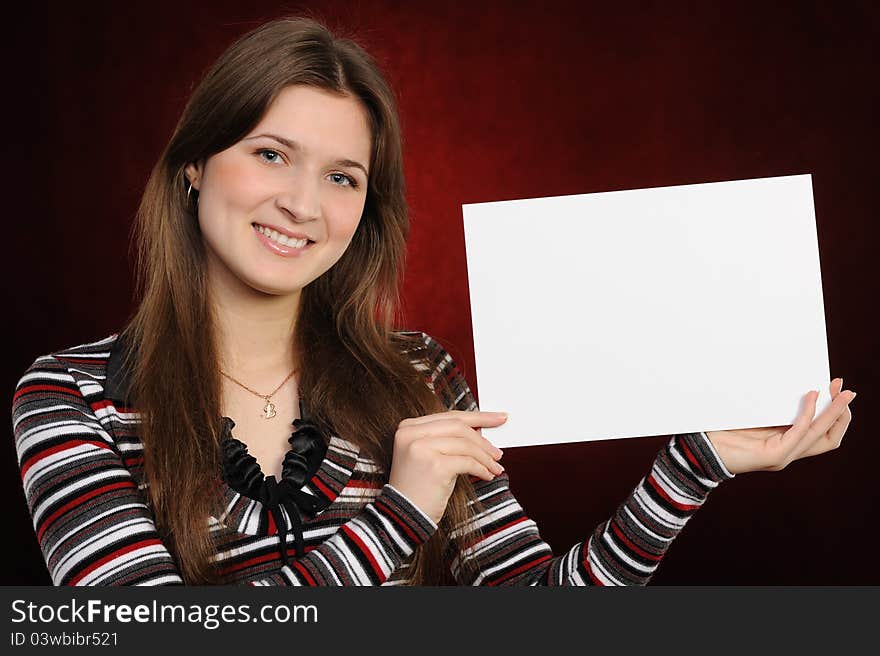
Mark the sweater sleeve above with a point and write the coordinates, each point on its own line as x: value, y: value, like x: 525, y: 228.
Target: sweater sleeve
x: 502, y: 546
x: 95, y: 528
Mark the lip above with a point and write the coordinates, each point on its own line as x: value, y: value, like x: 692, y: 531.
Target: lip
x: 278, y: 249
x: 283, y: 231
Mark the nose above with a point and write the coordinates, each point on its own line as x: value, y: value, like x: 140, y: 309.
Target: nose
x: 301, y: 197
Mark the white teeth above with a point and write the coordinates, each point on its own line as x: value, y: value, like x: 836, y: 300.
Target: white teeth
x: 284, y: 240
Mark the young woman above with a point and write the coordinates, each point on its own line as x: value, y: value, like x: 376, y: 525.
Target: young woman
x: 260, y: 420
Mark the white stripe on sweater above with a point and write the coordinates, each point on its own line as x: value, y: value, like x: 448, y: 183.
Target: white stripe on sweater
x: 73, y: 486
x: 513, y: 560
x: 657, y: 511
x: 371, y: 543
x: 131, y: 559
x: 644, y: 529
x: 117, y: 533
x: 670, y: 488
x: 49, y: 430
x: 686, y: 465
x: 59, y: 541
x: 59, y: 460
x: 611, y: 541
x: 599, y: 570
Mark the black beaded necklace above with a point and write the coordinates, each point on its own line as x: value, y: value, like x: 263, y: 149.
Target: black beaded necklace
x: 242, y: 473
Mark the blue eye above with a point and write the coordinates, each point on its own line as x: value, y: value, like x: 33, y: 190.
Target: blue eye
x: 277, y: 155
x: 340, y: 177
x: 273, y: 157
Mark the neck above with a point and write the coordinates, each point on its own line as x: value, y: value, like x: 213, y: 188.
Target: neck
x: 254, y: 330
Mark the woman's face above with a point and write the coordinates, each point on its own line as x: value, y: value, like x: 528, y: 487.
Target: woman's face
x: 302, y: 172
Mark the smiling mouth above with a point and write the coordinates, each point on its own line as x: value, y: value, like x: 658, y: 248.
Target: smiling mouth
x: 281, y: 240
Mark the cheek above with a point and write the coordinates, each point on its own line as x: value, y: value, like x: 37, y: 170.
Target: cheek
x: 232, y: 181
x: 344, y: 220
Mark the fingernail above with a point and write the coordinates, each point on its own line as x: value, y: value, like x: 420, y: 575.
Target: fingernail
x: 841, y: 383
x: 502, y: 414
x: 853, y: 396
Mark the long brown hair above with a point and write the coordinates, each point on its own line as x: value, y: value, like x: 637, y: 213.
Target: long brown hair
x: 358, y: 381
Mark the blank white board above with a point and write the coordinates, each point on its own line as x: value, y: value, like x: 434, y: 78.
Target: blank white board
x: 647, y: 312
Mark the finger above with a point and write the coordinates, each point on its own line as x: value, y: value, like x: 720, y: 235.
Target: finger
x: 791, y: 441
x: 466, y: 465
x: 809, y: 410
x: 823, y: 424
x: 453, y: 446
x: 824, y: 421
x: 470, y: 417
x: 833, y: 439
x: 448, y: 427
x: 444, y: 449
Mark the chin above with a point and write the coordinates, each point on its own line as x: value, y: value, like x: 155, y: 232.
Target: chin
x: 266, y: 287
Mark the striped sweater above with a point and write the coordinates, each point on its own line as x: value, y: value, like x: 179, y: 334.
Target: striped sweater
x: 82, y: 471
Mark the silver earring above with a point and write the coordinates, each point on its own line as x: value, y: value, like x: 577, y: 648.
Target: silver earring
x: 189, y: 188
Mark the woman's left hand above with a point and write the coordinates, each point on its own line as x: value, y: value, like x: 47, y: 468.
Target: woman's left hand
x: 772, y: 449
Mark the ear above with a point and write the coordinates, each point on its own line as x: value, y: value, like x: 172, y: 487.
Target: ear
x: 193, y: 172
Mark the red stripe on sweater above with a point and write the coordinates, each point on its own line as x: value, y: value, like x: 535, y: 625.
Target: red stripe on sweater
x: 364, y: 484
x: 585, y: 559
x: 102, y: 362
x: 116, y: 554
x: 669, y: 499
x: 302, y: 570
x: 360, y: 543
x: 259, y: 560
x: 692, y: 458
x: 450, y: 375
x: 30, y: 462
x: 521, y: 568
x: 27, y: 389
x: 592, y: 576
x: 476, y: 538
x: 630, y: 545
x: 330, y: 494
x: 79, y: 501
x: 380, y: 504
x: 116, y: 408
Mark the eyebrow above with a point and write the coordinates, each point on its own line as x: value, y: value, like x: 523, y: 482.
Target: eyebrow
x: 293, y: 145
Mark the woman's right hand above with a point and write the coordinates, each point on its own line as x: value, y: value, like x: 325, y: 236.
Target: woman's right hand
x: 431, y: 451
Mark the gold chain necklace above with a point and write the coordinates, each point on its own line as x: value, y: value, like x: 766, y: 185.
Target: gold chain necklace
x: 269, y: 408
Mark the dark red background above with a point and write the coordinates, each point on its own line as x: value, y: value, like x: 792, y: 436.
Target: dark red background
x: 499, y: 100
